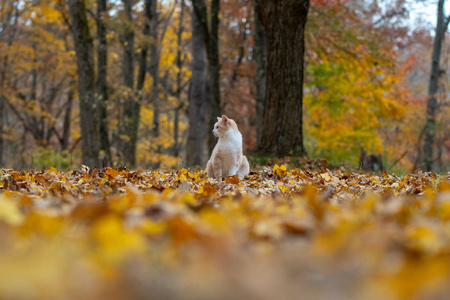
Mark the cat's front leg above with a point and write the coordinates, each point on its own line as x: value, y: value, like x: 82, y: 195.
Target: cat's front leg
x: 209, y: 168
x: 217, y: 167
x: 233, y: 170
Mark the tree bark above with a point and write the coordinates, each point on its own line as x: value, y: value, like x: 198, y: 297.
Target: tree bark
x: 130, y: 105
x: 143, y: 55
x: 67, y: 121
x: 102, y: 86
x: 176, y: 127
x: 432, y: 104
x: 2, y: 109
x: 211, y: 41
x: 260, y: 53
x: 284, y: 24
x: 3, y: 100
x: 90, y: 129
x: 154, y: 69
x: 198, y: 97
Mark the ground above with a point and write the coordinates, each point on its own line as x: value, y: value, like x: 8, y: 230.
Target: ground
x: 277, y: 234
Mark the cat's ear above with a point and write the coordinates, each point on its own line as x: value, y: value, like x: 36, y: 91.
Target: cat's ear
x: 218, y: 119
x: 224, y: 118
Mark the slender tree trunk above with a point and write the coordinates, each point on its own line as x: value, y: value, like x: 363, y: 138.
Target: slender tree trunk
x: 129, y: 109
x: 148, y: 12
x: 90, y: 129
x: 432, y: 104
x: 261, y: 65
x: 284, y: 23
x: 2, y: 109
x: 214, y: 73
x: 36, y: 123
x: 212, y: 48
x: 102, y: 86
x: 240, y: 58
x: 67, y: 121
x: 176, y: 129
x: 198, y: 97
x: 154, y: 70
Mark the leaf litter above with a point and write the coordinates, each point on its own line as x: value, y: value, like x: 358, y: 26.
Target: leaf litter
x: 277, y: 234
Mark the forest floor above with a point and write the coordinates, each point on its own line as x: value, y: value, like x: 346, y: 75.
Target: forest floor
x: 280, y: 233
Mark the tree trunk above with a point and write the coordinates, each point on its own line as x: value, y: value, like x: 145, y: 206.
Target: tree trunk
x: 176, y: 127
x: 260, y: 53
x: 67, y: 121
x: 130, y: 105
x: 102, y: 87
x: 284, y: 24
x: 2, y: 109
x: 3, y: 71
x: 212, y: 48
x: 214, y: 73
x: 143, y: 55
x: 198, y: 97
x: 90, y: 129
x: 154, y: 70
x: 432, y: 104
x: 176, y: 131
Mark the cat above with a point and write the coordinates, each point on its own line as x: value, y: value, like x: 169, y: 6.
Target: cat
x: 227, y: 158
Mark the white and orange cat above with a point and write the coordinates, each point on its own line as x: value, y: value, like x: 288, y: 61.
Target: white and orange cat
x: 227, y: 158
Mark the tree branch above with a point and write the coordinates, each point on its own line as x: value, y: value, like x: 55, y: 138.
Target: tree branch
x: 21, y: 118
x: 92, y: 14
x: 395, y: 162
x: 63, y: 12
x: 446, y: 22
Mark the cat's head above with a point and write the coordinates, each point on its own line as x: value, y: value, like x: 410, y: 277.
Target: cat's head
x: 224, y: 126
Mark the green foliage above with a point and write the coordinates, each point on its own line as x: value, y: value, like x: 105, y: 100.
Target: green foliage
x: 45, y: 158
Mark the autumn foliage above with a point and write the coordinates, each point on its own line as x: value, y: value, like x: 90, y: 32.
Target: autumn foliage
x: 366, y: 75
x: 94, y: 233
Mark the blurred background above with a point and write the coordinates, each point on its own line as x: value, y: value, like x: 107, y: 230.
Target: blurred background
x: 367, y: 72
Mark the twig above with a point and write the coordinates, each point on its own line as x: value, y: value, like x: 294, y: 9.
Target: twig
x: 395, y: 162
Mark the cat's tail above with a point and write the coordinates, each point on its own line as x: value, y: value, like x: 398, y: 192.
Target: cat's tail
x: 244, y: 167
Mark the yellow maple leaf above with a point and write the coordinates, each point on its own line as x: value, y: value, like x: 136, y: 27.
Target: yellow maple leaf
x: 10, y: 212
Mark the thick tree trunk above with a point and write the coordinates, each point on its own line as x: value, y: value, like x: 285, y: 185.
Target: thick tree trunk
x: 102, y: 86
x: 130, y: 106
x: 284, y: 24
x: 149, y: 16
x: 198, y: 97
x: 432, y: 104
x: 210, y: 36
x: 260, y: 53
x: 176, y: 127
x: 3, y: 100
x: 90, y: 129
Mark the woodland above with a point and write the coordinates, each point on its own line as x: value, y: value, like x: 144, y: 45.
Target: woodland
x: 155, y: 79
x: 106, y: 116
